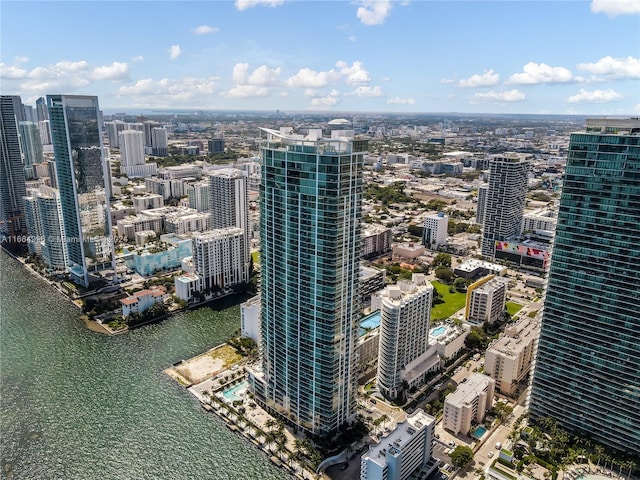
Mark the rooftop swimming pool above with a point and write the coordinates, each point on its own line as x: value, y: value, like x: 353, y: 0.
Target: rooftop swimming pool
x: 436, y: 332
x: 232, y: 393
x: 370, y: 322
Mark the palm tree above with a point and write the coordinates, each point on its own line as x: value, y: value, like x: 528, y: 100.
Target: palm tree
x: 631, y: 465
x: 599, y: 452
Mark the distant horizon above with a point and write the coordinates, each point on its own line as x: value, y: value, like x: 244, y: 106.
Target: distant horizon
x: 393, y: 56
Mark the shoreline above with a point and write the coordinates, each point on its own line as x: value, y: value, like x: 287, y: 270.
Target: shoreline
x: 99, y: 327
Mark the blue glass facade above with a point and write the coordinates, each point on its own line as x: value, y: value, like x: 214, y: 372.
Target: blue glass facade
x: 587, y: 372
x: 311, y: 195
x: 83, y: 181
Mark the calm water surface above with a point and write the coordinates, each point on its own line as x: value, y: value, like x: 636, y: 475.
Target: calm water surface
x: 75, y: 404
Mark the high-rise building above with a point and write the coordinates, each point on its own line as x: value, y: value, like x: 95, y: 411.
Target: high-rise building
x: 404, y: 331
x: 83, y: 181
x: 218, y: 258
x: 131, y: 148
x: 215, y: 145
x: 435, y: 230
x: 486, y: 300
x: 505, y: 200
x: 31, y: 144
x: 586, y: 374
x: 42, y: 112
x: 160, y: 142
x: 468, y: 404
x: 12, y: 181
x: 311, y: 195
x: 482, y: 200
x: 113, y: 130
x: 45, y: 227
x: 45, y: 132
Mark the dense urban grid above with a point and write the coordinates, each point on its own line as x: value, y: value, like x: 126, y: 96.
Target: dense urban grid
x: 436, y: 296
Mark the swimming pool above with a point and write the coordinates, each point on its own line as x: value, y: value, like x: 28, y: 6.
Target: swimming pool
x: 479, y: 432
x: 232, y: 393
x: 370, y: 322
x: 441, y: 330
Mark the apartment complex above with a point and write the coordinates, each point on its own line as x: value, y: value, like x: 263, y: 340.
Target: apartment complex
x: 486, y: 300
x: 435, y: 230
x: 404, y: 331
x: 505, y: 199
x: 84, y: 182
x: 468, y: 404
x: 586, y: 374
x: 508, y: 360
x: 402, y: 452
x: 310, y: 204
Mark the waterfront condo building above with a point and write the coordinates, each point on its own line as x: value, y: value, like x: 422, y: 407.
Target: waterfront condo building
x: 505, y: 199
x: 587, y: 373
x: 468, y: 404
x: 401, y: 453
x: 404, y: 331
x: 12, y: 180
x: 310, y: 204
x: 83, y: 183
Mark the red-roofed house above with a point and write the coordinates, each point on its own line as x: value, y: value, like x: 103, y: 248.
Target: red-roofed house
x: 141, y: 301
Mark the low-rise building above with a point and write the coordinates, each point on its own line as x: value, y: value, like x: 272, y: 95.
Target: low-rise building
x: 372, y: 280
x: 448, y: 339
x: 143, y: 300
x: 435, y: 230
x: 508, y: 359
x: 468, y: 404
x: 152, y: 257
x: 401, y: 453
x: 475, y: 268
x: 409, y: 250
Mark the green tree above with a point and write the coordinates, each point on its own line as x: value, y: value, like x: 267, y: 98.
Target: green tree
x: 461, y: 456
x: 477, y: 339
x: 445, y: 274
x: 441, y: 260
x: 460, y: 284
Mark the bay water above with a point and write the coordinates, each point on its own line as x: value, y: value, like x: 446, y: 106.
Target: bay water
x: 75, y: 404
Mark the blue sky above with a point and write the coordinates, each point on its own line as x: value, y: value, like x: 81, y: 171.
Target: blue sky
x: 554, y: 57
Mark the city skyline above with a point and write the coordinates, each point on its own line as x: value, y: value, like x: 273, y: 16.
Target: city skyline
x: 467, y: 57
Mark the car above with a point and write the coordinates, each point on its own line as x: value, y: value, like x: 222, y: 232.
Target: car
x: 490, y: 454
x: 452, y: 444
x: 373, y: 400
x: 437, y: 435
x: 354, y: 455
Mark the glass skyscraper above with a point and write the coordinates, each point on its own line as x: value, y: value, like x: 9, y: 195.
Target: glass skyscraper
x: 83, y: 182
x: 310, y: 199
x: 12, y: 180
x: 587, y: 371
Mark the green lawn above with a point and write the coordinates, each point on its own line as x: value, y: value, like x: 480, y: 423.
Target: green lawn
x: 513, y: 308
x: 452, y: 302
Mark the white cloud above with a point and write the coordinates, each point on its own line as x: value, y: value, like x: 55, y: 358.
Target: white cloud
x: 374, y: 12
x: 204, y: 29
x: 614, y: 67
x: 355, y: 74
x: 12, y: 71
x: 401, y: 101
x: 174, y: 52
x: 535, y: 73
x: 264, y: 76
x: 447, y: 80
x: 636, y: 109
x: 169, y: 92
x: 310, y: 92
x: 19, y: 60
x: 352, y: 38
x: 137, y: 59
x: 247, y: 91
x: 245, y: 4
x: 596, y: 96
x: 239, y: 74
x: 366, y: 91
x: 327, y: 101
x: 498, y: 97
x: 613, y: 8
x: 115, y: 71
x: 488, y: 79
x: 307, y: 78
